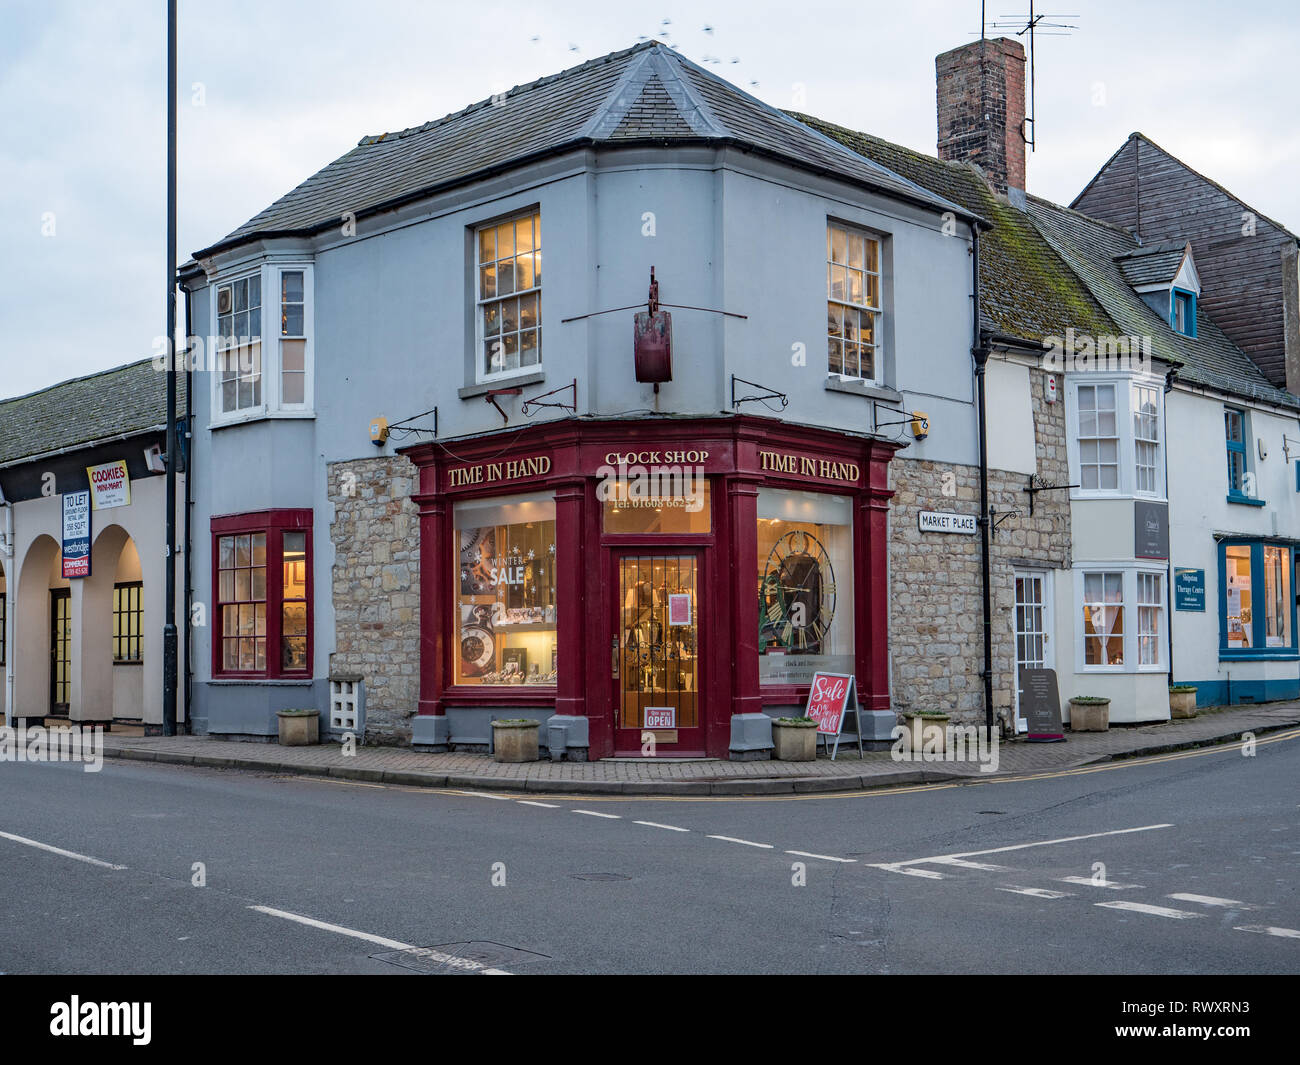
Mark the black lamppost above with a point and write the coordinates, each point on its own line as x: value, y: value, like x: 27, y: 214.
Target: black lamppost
x: 169, y: 609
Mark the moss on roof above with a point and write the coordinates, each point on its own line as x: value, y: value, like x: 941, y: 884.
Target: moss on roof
x: 100, y: 406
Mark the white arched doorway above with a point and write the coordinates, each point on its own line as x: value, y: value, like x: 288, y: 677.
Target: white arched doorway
x: 44, y: 635
x: 111, y: 620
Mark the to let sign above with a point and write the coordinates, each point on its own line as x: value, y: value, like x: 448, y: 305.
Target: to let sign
x: 944, y: 522
x: 76, y: 534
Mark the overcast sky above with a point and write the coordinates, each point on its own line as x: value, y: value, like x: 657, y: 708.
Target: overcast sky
x: 272, y: 90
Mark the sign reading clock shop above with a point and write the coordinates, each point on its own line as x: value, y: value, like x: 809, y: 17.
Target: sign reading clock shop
x: 495, y: 472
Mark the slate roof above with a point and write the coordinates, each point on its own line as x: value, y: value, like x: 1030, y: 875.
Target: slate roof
x: 1026, y: 291
x: 646, y: 93
x: 1095, y: 250
x: 121, y: 401
x: 1153, y: 264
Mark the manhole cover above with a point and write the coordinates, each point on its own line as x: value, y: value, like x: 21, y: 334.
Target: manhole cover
x: 600, y: 876
x: 459, y: 958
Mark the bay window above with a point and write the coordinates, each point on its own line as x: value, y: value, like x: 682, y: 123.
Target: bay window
x: 1257, y: 608
x: 1116, y: 436
x: 262, y: 594
x: 1123, y: 619
x: 261, y: 371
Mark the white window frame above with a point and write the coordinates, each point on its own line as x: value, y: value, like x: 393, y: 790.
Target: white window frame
x: 271, y: 405
x: 481, y: 374
x: 1126, y: 388
x: 877, y: 311
x: 1156, y: 491
x: 1129, y: 590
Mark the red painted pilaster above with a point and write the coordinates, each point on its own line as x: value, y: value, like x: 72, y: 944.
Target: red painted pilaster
x: 740, y: 571
x: 871, y: 599
x: 436, y: 561
x: 570, y: 597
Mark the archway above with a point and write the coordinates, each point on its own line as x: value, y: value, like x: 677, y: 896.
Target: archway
x: 37, y: 680
x: 111, y: 630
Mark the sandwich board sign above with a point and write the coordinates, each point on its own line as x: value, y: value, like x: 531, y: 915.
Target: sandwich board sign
x: 831, y: 698
x: 1040, y: 706
x: 76, y: 534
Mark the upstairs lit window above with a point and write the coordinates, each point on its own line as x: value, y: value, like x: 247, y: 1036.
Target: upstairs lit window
x: 852, y: 303
x: 509, y: 269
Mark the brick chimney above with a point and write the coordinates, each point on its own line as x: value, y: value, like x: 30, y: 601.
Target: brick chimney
x: 981, y: 106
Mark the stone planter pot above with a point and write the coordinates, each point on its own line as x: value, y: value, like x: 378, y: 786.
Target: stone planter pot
x: 1089, y: 716
x: 928, y: 728
x: 515, y: 740
x: 1182, y: 703
x: 298, y: 728
x: 794, y: 740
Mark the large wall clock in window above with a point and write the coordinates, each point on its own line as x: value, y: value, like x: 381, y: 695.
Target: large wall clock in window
x: 798, y: 594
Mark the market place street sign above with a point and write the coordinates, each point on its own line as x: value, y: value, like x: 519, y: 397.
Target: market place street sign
x: 944, y: 522
x: 76, y: 534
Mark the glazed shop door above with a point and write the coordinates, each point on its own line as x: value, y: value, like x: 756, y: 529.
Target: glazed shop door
x: 656, y: 652
x: 60, y: 651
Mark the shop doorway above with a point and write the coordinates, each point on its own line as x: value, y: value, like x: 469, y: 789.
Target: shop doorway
x: 60, y: 651
x: 1033, y: 628
x: 656, y: 666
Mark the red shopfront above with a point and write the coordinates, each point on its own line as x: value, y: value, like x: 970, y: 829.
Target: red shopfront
x: 651, y: 575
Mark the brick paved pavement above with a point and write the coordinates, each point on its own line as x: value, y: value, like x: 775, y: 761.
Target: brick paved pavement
x: 704, y: 777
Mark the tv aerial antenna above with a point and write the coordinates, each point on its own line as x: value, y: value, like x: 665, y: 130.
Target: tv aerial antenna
x: 1029, y: 27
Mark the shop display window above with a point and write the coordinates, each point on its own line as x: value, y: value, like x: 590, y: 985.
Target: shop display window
x: 805, y: 586
x: 505, y: 608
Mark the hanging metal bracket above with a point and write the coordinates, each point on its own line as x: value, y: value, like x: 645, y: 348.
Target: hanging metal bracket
x: 536, y: 402
x: 404, y: 428
x: 491, y: 397
x: 1036, y: 485
x: 765, y: 399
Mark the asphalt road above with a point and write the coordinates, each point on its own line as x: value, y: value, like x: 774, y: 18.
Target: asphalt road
x: 1201, y: 852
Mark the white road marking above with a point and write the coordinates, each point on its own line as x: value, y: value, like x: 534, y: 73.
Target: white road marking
x: 1038, y: 892
x: 543, y: 805
x: 746, y: 842
x: 483, y: 795
x: 1268, y: 930
x: 969, y: 865
x: 928, y: 874
x: 1153, y: 911
x: 823, y: 857
x: 1209, y: 900
x: 61, y: 852
x: 1087, y: 881
x: 655, y: 824
x: 382, y: 941
x: 1024, y: 846
x: 593, y: 813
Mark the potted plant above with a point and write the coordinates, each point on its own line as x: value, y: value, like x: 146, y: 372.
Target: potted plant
x: 298, y: 728
x: 1182, y: 700
x: 794, y: 739
x: 514, y: 739
x: 1089, y: 713
x: 927, y: 726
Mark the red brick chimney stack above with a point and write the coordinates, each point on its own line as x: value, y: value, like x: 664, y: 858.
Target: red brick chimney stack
x: 981, y: 107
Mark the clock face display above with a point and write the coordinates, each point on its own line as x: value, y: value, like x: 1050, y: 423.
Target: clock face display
x: 797, y: 595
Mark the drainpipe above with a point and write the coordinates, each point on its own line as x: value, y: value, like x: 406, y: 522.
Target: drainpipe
x: 1169, y: 562
x: 188, y: 599
x: 11, y: 612
x: 980, y: 350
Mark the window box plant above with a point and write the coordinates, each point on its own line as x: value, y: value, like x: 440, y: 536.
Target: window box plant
x: 514, y: 739
x: 927, y: 726
x: 298, y: 728
x: 794, y: 739
x: 1182, y: 700
x: 1089, y: 713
